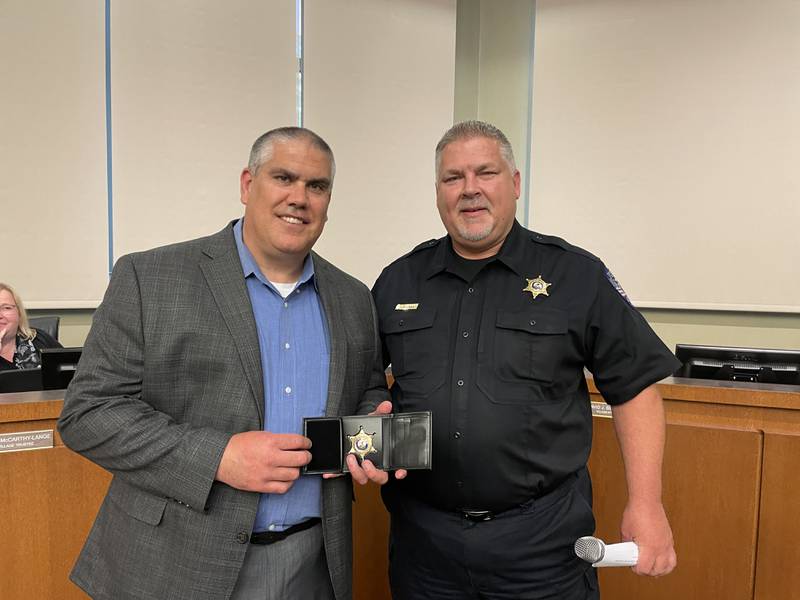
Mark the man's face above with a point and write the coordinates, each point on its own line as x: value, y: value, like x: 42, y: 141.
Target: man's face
x: 476, y: 194
x: 286, y: 202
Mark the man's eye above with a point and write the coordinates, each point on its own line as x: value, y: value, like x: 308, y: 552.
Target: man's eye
x: 451, y: 178
x: 283, y: 178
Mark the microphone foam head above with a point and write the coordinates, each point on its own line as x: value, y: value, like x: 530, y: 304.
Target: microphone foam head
x: 589, y: 549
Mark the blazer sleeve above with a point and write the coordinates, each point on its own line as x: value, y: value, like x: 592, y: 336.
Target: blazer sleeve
x: 376, y: 390
x: 106, y: 419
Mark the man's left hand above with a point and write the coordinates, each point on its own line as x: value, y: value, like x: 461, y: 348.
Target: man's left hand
x: 647, y: 525
x: 367, y: 471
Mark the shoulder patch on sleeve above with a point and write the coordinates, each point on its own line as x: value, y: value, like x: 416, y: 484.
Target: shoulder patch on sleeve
x: 613, y: 281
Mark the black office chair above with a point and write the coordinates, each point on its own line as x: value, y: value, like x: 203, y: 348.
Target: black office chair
x: 47, y: 324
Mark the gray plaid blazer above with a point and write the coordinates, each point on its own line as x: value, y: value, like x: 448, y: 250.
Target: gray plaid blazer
x: 170, y: 370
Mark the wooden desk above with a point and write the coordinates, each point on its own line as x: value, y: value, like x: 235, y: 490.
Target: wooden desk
x: 729, y: 487
x: 48, y: 500
x: 730, y: 491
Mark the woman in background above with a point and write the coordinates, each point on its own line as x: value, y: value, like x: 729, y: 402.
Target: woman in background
x: 20, y: 344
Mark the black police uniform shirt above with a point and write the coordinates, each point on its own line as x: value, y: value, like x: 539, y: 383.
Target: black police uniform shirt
x: 496, y: 349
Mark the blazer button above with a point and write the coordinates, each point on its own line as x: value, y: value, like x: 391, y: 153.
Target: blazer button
x: 242, y: 537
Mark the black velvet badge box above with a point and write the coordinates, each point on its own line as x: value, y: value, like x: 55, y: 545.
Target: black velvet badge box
x: 394, y: 441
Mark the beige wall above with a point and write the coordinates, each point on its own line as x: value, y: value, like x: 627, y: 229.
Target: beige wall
x: 493, y: 72
x: 477, y: 76
x: 768, y: 330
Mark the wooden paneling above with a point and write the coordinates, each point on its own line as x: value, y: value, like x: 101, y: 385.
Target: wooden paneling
x: 49, y: 498
x: 370, y: 545
x: 711, y: 493
x: 778, y: 575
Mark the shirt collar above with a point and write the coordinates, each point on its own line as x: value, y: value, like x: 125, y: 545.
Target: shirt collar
x: 250, y: 266
x: 511, y: 253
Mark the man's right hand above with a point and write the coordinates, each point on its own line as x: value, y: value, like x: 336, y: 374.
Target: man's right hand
x: 261, y: 461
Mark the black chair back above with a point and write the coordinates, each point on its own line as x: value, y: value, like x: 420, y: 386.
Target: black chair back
x: 48, y: 324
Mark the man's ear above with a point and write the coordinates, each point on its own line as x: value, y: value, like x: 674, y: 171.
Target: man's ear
x: 245, y: 180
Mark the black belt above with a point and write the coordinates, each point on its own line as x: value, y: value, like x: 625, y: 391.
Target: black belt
x: 263, y: 538
x: 478, y: 516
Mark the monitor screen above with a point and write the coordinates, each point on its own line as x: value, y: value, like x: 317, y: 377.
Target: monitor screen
x: 760, y: 365
x: 20, y: 380
x: 58, y: 367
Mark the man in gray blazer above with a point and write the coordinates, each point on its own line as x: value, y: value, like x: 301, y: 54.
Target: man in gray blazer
x: 202, y: 360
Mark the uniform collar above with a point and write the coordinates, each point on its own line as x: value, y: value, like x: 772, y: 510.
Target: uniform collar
x: 511, y: 253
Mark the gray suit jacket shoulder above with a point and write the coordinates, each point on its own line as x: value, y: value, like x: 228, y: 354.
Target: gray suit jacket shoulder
x: 170, y: 370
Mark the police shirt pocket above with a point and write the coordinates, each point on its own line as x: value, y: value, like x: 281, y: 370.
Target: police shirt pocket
x: 528, y: 344
x: 409, y: 338
x: 136, y: 503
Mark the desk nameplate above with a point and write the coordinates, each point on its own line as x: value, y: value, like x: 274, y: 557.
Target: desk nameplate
x: 26, y: 440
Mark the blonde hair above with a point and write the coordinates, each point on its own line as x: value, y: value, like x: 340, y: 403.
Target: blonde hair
x: 23, y: 329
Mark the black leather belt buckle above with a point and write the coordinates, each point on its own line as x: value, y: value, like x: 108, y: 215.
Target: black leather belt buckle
x: 394, y: 441
x: 477, y: 516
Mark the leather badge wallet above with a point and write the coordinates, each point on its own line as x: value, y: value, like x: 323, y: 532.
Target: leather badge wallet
x: 394, y: 441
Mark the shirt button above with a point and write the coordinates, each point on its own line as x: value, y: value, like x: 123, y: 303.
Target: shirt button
x: 287, y: 345
x: 457, y: 434
x: 271, y: 527
x: 470, y: 290
x: 242, y: 537
x: 285, y: 305
x: 401, y: 322
x: 533, y: 322
x: 465, y: 333
x: 287, y: 389
x: 460, y: 382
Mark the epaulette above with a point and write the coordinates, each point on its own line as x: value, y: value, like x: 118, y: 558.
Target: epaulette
x: 552, y: 240
x: 423, y: 246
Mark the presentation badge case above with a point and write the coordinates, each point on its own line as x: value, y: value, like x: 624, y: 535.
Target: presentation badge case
x: 395, y: 441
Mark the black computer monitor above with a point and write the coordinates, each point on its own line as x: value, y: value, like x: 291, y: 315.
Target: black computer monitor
x: 760, y: 365
x: 58, y: 367
x: 20, y: 380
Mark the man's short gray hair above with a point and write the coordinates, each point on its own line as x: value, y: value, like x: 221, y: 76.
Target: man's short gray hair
x: 263, y: 147
x: 471, y: 129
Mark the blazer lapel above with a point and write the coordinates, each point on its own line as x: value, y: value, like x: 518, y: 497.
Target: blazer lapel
x: 223, y: 273
x: 332, y: 306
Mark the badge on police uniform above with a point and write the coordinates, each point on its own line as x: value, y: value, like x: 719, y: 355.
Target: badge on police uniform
x: 537, y: 287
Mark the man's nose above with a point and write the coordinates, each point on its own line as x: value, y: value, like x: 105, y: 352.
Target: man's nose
x: 471, y: 188
x: 298, y: 196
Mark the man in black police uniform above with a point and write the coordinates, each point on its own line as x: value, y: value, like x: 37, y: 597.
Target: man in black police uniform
x: 490, y: 328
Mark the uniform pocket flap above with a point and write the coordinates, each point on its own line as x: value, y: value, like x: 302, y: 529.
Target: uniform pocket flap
x: 411, y: 320
x: 137, y: 503
x: 540, y: 321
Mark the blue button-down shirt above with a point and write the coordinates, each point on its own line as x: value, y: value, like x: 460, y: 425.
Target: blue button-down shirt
x: 295, y: 354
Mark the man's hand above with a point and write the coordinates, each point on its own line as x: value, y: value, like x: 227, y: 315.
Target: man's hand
x: 647, y: 525
x: 261, y: 461
x: 366, y: 471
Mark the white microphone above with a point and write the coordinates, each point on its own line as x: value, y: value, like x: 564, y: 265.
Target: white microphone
x: 595, y: 551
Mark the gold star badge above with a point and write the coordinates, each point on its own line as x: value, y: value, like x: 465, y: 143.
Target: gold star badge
x: 361, y: 443
x: 537, y: 286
